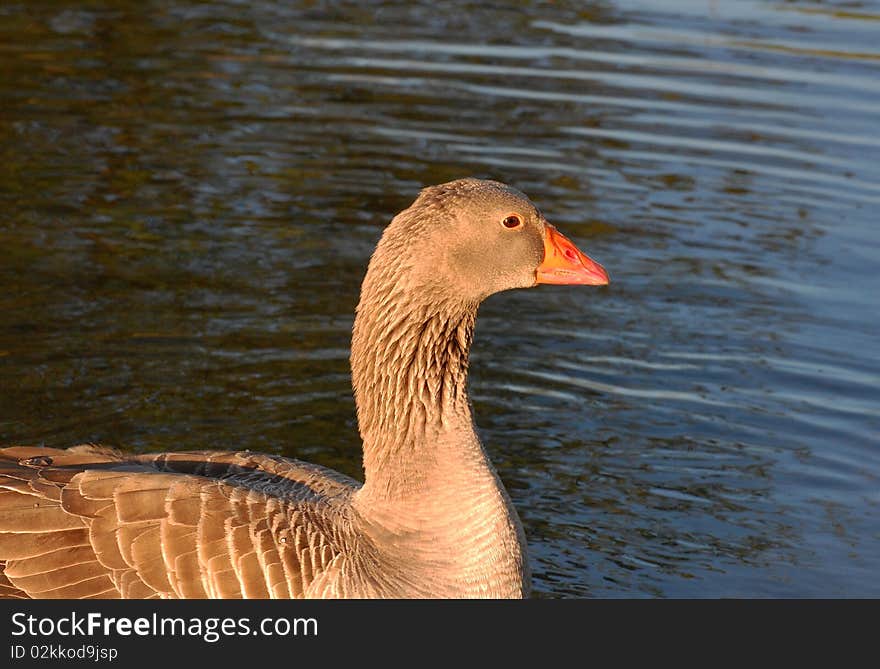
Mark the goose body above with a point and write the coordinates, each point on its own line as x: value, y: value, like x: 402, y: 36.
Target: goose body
x: 431, y: 518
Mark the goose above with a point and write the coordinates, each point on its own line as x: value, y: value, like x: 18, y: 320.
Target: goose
x: 431, y: 518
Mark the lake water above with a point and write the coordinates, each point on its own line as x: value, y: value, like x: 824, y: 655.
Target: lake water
x: 190, y: 192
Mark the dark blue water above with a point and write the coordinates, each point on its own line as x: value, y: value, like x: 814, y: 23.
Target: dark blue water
x: 191, y: 191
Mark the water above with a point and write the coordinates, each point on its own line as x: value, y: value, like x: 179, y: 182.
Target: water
x: 191, y: 191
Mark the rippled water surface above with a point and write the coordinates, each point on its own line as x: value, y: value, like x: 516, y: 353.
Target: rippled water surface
x: 190, y: 193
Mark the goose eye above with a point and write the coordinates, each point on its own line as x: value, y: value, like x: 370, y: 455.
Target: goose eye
x: 511, y: 222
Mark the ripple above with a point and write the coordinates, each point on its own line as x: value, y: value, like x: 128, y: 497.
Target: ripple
x: 731, y: 93
x: 840, y: 136
x: 615, y: 389
x: 697, y: 64
x: 711, y: 146
x: 642, y: 34
x: 852, y: 184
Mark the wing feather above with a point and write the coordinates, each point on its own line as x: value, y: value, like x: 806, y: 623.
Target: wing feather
x: 92, y: 522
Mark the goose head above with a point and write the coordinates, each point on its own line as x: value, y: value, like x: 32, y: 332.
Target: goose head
x: 471, y: 238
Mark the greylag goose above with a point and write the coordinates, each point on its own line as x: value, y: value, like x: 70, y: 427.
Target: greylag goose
x: 431, y: 518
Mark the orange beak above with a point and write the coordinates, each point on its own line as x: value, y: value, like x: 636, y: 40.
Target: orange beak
x: 565, y: 264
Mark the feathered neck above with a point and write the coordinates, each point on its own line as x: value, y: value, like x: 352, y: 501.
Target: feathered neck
x: 409, y: 362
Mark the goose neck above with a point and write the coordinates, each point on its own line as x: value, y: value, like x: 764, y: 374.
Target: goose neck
x: 409, y: 372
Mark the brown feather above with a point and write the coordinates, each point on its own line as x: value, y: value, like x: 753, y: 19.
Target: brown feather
x: 90, y: 522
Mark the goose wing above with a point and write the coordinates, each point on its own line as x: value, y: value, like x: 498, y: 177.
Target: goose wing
x: 91, y: 522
